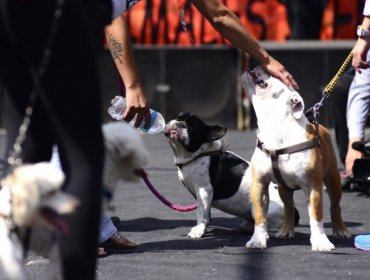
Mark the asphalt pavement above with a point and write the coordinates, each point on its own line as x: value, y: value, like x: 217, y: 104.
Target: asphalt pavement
x: 165, y: 252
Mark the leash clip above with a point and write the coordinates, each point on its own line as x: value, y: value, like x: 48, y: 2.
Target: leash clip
x: 313, y: 112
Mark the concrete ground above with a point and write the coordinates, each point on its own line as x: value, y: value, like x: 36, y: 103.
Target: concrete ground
x: 164, y: 251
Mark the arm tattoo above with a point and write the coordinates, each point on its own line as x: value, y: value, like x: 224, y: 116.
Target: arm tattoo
x: 115, y: 48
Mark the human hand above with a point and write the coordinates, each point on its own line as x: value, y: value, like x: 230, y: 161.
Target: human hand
x: 351, y: 156
x: 359, y: 54
x: 136, y: 105
x: 274, y: 67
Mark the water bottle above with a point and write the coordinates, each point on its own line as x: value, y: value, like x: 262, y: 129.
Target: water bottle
x: 118, y: 108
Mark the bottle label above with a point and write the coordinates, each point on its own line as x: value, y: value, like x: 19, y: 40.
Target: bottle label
x: 153, y: 116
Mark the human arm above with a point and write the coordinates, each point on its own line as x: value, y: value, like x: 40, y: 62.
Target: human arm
x: 117, y: 36
x: 229, y: 26
x: 363, y: 43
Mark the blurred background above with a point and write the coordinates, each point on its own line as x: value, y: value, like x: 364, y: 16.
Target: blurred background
x: 198, y: 71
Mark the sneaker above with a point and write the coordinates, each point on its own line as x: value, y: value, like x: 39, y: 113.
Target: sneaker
x: 362, y: 242
x: 118, y: 244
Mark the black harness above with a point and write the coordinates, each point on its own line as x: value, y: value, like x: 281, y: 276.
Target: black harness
x: 274, y: 154
x: 218, y: 152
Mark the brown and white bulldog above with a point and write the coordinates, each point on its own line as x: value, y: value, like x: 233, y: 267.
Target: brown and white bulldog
x: 282, y: 129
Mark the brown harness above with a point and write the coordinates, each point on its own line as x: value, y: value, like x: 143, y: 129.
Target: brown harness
x: 274, y: 154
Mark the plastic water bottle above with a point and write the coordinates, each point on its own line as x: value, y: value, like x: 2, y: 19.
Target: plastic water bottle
x: 118, y: 108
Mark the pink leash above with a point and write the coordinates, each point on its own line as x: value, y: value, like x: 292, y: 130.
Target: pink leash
x: 161, y: 198
x: 145, y: 176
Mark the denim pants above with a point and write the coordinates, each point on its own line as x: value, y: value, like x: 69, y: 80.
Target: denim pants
x: 107, y: 228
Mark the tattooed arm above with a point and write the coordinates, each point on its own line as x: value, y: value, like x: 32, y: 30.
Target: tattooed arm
x: 118, y: 39
x: 229, y: 26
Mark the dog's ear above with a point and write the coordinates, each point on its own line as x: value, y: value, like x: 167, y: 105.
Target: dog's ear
x: 215, y: 132
x: 297, y: 105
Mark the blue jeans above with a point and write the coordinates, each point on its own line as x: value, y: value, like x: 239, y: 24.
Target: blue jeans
x: 107, y: 228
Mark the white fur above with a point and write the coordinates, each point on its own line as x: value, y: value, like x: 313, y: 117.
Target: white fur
x: 281, y: 124
x: 125, y: 153
x: 195, y: 176
x: 24, y: 191
x: 259, y: 237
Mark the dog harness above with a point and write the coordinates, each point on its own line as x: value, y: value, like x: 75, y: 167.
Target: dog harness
x: 218, y: 152
x: 274, y: 154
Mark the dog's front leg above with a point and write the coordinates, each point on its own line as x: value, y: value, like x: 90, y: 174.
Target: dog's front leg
x: 260, y: 201
x: 287, y: 228
x: 319, y: 240
x: 204, y: 198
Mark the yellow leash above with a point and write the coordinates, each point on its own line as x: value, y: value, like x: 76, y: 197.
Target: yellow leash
x: 329, y: 88
x: 313, y: 111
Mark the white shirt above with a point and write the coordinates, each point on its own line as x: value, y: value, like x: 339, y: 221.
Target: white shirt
x: 367, y: 8
x: 121, y: 6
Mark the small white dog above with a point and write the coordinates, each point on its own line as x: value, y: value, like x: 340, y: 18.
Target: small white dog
x: 30, y: 197
x: 125, y: 154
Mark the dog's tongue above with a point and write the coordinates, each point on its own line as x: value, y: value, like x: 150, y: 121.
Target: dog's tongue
x: 55, y: 220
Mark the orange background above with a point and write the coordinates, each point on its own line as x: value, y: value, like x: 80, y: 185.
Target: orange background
x: 158, y: 21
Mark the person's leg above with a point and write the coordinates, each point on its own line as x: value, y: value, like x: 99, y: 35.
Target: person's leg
x: 71, y: 104
x: 338, y: 103
x: 357, y: 114
x: 74, y: 103
x: 107, y: 228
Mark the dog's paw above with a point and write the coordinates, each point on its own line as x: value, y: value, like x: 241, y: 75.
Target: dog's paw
x: 321, y: 243
x: 197, y: 231
x: 341, y: 233
x: 259, y: 238
x: 285, y: 233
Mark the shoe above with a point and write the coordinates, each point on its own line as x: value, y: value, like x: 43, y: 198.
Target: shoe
x: 362, y: 242
x: 118, y: 244
x: 101, y: 253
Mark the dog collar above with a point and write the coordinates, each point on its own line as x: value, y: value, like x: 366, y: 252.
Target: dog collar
x: 218, y: 152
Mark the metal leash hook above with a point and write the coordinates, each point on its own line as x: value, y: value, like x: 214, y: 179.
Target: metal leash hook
x: 313, y: 112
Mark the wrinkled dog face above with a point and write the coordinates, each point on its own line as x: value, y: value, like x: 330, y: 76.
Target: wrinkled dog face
x: 189, y: 132
x: 269, y: 94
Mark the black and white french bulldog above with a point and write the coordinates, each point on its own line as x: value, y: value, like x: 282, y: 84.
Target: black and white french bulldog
x: 215, y: 177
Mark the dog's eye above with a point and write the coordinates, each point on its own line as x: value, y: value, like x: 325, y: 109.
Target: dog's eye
x: 180, y: 125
